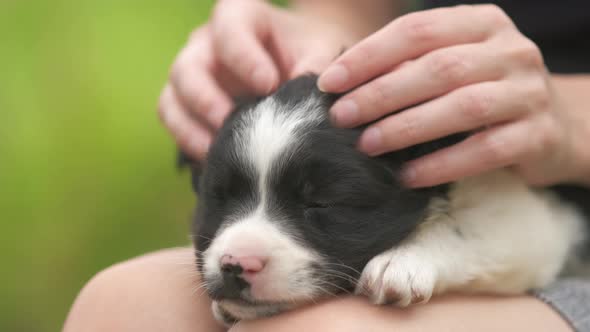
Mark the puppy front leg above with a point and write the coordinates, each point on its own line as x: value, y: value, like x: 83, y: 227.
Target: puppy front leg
x: 493, y: 235
x: 413, y: 271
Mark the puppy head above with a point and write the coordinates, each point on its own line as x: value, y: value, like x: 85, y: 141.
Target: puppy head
x: 290, y: 211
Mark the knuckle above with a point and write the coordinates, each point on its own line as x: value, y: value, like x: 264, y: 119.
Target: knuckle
x: 549, y: 135
x: 380, y: 94
x: 496, y: 149
x: 235, y: 58
x: 495, y: 14
x: 202, y: 104
x: 537, y: 143
x: 539, y: 96
x: 475, y: 106
x: 528, y: 54
x: 231, y: 54
x: 186, y: 93
x: 410, y: 128
x: 418, y: 27
x: 449, y: 68
x: 199, y: 103
x: 534, y: 142
x: 177, y: 71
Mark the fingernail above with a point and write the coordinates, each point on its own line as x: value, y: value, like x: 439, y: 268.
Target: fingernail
x: 262, y: 79
x: 345, y: 113
x: 408, y: 175
x: 333, y: 78
x: 371, y: 141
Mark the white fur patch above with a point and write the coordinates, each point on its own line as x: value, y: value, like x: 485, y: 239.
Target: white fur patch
x: 494, y: 234
x: 256, y: 235
x: 265, y: 137
x: 498, y: 236
x: 270, y: 131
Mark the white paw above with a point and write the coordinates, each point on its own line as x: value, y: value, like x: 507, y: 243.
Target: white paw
x: 398, y: 276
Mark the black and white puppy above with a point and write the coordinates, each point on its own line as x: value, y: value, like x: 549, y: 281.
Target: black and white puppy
x: 289, y: 212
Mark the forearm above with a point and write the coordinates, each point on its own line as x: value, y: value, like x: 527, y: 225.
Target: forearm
x: 573, y: 91
x: 459, y: 313
x: 361, y: 17
x: 482, y: 313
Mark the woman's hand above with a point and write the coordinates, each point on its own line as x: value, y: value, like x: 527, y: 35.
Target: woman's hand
x: 450, y: 313
x: 459, y: 69
x: 248, y: 47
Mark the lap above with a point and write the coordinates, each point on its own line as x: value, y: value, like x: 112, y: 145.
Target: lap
x: 460, y: 313
x: 154, y: 292
x: 161, y: 292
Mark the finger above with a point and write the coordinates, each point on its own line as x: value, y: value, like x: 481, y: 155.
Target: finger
x: 197, y: 89
x: 465, y: 109
x: 493, y: 148
x: 192, y: 137
x: 240, y: 29
x: 312, y: 63
x: 409, y: 37
x: 430, y: 76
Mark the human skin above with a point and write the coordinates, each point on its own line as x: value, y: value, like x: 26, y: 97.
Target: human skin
x: 153, y: 294
x: 161, y: 292
x: 462, y: 69
x: 468, y: 68
x: 249, y: 47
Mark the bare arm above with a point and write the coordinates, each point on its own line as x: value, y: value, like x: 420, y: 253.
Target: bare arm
x: 249, y: 48
x: 450, y: 313
x: 573, y: 91
x: 465, y: 69
x: 364, y: 17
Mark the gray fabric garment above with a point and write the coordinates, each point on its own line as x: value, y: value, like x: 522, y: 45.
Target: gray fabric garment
x: 571, y: 299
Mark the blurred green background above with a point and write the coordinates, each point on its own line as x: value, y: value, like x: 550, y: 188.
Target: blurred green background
x: 87, y: 174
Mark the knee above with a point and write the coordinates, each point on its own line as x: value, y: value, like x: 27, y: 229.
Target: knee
x: 156, y: 292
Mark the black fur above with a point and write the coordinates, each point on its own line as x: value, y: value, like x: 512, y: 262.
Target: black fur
x: 345, y: 205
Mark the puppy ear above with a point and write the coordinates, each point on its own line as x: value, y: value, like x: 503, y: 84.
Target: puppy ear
x: 183, y: 161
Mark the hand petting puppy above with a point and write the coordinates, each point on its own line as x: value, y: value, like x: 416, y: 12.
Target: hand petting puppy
x: 247, y: 48
x: 459, y: 69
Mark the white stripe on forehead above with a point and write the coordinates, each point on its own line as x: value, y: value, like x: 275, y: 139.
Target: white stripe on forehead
x: 265, y: 136
x: 271, y: 129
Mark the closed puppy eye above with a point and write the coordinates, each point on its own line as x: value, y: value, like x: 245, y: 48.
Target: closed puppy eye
x: 311, y: 202
x: 316, y: 205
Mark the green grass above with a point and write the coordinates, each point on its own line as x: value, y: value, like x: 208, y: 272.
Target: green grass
x: 86, y: 172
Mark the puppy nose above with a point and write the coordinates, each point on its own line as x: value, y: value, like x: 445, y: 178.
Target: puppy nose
x: 238, y: 265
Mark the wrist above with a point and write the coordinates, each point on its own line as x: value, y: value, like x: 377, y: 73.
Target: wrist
x: 573, y: 93
x: 358, y: 18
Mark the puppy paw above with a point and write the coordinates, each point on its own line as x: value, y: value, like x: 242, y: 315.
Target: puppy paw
x: 399, y: 277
